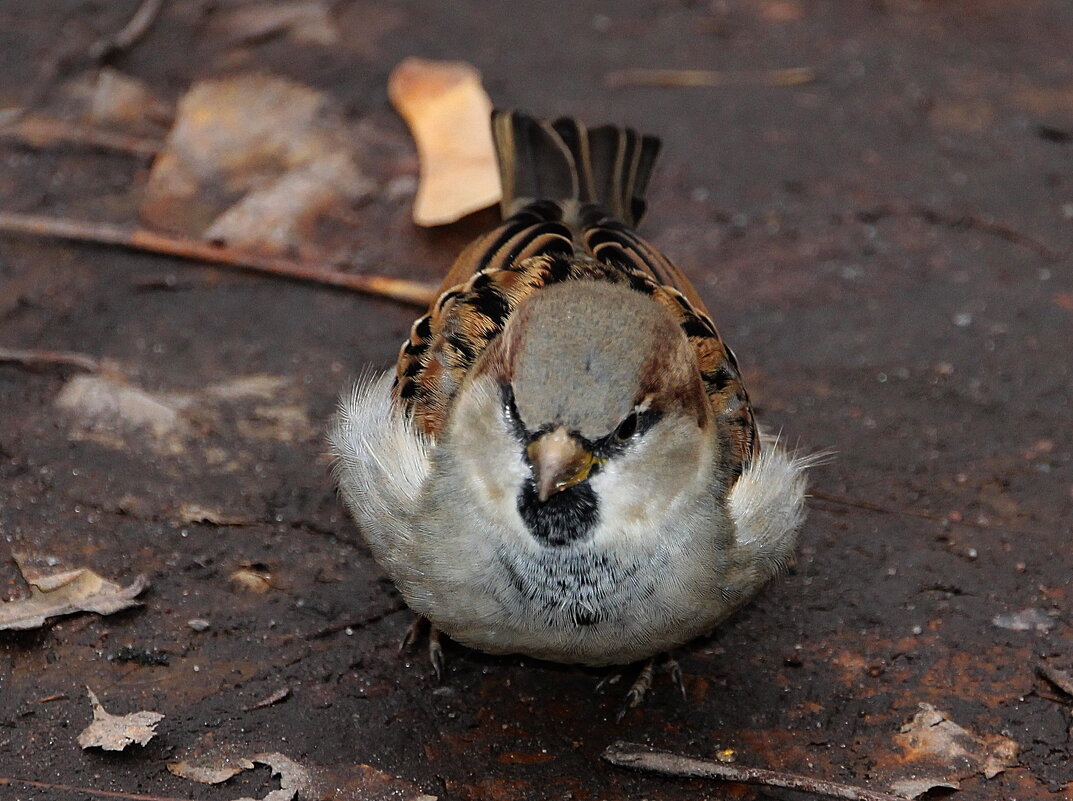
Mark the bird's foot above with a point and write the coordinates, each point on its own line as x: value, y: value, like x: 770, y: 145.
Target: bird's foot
x: 643, y: 683
x: 422, y: 628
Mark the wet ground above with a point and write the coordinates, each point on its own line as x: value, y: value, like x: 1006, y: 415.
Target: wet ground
x: 886, y: 247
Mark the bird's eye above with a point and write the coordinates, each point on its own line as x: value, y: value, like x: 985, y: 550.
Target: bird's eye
x: 627, y: 428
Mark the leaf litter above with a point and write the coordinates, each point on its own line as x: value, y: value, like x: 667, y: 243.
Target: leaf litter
x: 937, y: 752
x: 298, y: 781
x: 112, y: 411
x: 115, y: 732
x: 65, y: 593
x: 449, y: 115
x: 305, y: 21
x: 255, y: 161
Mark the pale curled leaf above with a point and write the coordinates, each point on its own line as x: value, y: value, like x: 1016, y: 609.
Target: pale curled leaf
x: 213, y: 767
x: 68, y: 592
x: 298, y: 781
x: 306, y: 21
x: 449, y: 115
x: 108, y: 400
x: 1031, y: 619
x: 293, y: 778
x: 116, y: 732
x: 938, y: 753
x: 252, y: 148
x: 114, y: 412
x: 257, y: 581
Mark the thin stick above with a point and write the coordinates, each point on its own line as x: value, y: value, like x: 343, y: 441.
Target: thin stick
x: 42, y: 132
x: 1061, y: 679
x: 129, y: 35
x: 791, y: 76
x: 627, y: 755
x: 49, y: 698
x: 4, y: 781
x: 274, y: 698
x: 961, y: 222
x: 867, y: 506
x: 49, y: 358
x: 991, y: 227
x: 399, y: 289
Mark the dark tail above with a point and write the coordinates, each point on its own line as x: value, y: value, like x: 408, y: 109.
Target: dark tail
x: 562, y: 161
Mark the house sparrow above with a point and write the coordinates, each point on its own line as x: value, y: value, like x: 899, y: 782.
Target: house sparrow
x: 564, y: 462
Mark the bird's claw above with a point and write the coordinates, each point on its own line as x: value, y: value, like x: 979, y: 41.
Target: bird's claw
x: 435, y: 653
x: 422, y: 628
x: 643, y: 683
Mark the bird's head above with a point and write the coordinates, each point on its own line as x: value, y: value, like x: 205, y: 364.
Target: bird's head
x: 594, y: 392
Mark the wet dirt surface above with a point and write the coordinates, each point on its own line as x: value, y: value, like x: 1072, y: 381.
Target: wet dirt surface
x: 887, y: 248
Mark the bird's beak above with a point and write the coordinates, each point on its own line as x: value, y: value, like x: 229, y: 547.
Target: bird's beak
x: 559, y: 461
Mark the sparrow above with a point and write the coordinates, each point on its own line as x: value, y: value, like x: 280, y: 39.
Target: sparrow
x: 564, y: 462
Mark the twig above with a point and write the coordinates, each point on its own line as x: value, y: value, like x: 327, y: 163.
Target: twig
x: 961, y: 222
x: 399, y: 289
x: 126, y: 37
x: 1061, y: 679
x: 69, y: 56
x: 355, y: 625
x: 41, y: 132
x: 867, y: 506
x: 791, y: 76
x: 274, y: 698
x: 5, y: 781
x: 665, y: 763
x: 61, y: 59
x: 48, y: 358
x: 49, y: 698
x: 988, y: 227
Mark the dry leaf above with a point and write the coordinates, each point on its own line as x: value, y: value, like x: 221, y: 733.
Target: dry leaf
x: 449, y: 115
x: 279, y: 215
x: 938, y: 752
x: 315, y: 783
x: 1031, y: 619
x: 68, y: 592
x: 105, y: 406
x: 254, y: 580
x: 116, y: 732
x: 111, y: 411
x: 191, y: 512
x: 258, y: 385
x: 307, y: 22
x: 293, y: 778
x: 249, y: 149
x: 121, y: 100
x: 214, y: 766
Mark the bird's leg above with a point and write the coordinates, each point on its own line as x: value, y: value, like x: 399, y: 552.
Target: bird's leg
x: 670, y: 664
x: 640, y: 687
x: 643, y: 683
x: 421, y: 628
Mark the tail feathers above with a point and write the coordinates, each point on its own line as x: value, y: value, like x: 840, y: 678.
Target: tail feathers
x: 563, y: 161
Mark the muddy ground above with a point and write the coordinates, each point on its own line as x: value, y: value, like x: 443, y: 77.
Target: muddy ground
x: 886, y: 246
